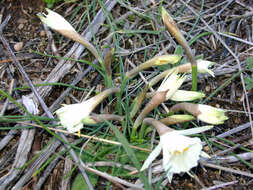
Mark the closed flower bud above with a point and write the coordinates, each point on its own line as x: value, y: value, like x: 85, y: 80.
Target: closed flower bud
x: 59, y: 24
x: 204, y: 113
x: 183, y: 95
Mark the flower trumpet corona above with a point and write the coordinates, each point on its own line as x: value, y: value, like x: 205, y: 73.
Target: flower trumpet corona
x: 180, y: 153
x: 73, y: 116
x: 59, y: 24
x: 204, y: 113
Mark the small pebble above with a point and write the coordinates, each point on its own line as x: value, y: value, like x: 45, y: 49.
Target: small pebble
x: 206, y: 148
x: 22, y: 21
x: 21, y: 26
x: 18, y: 46
x: 208, y: 88
x: 42, y: 33
x: 217, y: 105
x: 190, y: 185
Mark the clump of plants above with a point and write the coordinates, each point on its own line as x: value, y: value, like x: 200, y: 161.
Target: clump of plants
x: 180, y: 152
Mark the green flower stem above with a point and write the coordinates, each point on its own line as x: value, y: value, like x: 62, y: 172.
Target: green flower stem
x: 142, y: 130
x: 119, y: 94
x: 194, y: 77
x: 138, y: 102
x: 108, y: 69
x: 108, y: 63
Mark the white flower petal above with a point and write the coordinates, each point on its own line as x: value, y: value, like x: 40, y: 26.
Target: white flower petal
x: 184, y: 95
x: 204, y: 155
x: 194, y: 130
x: 171, y: 83
x: 180, y: 153
x: 55, y: 21
x: 152, y: 157
x: 211, y: 115
x: 71, y: 116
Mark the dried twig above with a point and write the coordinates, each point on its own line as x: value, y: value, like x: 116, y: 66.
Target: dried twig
x: 221, y: 185
x: 227, y: 169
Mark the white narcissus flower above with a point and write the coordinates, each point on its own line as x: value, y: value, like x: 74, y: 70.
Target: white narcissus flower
x: 184, y: 95
x: 59, y: 24
x: 203, y: 66
x: 55, y: 21
x: 73, y: 116
x: 171, y: 83
x: 211, y: 114
x: 180, y: 153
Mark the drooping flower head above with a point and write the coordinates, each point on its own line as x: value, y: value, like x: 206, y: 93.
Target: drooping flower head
x: 59, y: 24
x: 203, y: 67
x: 204, y: 113
x: 73, y: 116
x: 211, y: 115
x: 180, y: 153
x: 55, y: 21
